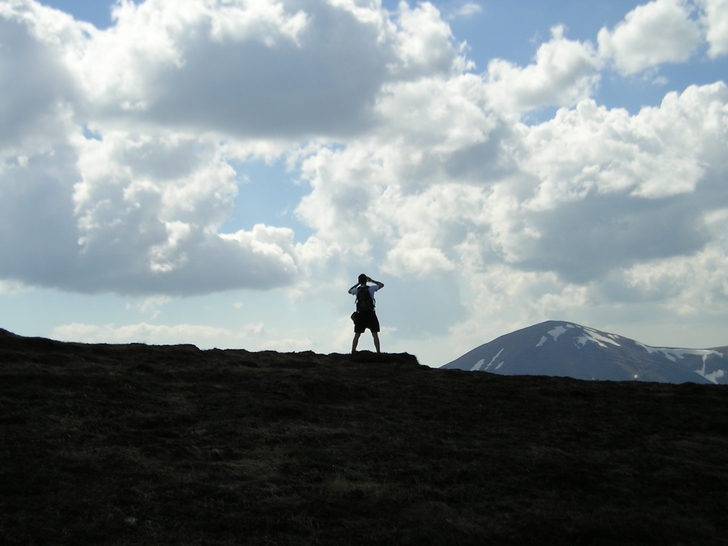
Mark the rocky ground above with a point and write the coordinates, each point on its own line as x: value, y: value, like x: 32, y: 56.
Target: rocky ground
x: 137, y: 444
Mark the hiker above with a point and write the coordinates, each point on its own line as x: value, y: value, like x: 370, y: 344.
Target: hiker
x: 365, y: 317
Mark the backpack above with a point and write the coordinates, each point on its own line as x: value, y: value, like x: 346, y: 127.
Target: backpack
x: 364, y: 300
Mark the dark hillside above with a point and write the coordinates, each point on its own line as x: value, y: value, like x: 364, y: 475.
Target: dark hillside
x: 136, y: 444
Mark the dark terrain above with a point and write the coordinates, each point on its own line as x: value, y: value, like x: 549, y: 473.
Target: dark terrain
x: 137, y: 444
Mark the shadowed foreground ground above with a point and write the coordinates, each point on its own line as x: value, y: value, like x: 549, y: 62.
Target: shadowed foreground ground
x: 136, y: 444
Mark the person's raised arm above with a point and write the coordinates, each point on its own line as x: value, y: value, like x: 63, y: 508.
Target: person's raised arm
x: 379, y: 284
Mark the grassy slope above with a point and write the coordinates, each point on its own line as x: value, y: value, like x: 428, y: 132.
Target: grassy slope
x: 132, y: 444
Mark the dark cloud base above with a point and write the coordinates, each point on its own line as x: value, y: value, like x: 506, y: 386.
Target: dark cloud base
x: 585, y: 240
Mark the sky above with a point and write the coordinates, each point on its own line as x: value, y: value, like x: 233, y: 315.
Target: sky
x: 219, y: 172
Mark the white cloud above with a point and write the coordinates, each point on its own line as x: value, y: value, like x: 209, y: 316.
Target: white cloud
x: 694, y: 285
x: 219, y: 65
x: 204, y: 337
x: 655, y: 154
x: 12, y: 287
x: 636, y: 185
x: 714, y: 18
x: 589, y: 192
x: 141, y: 333
x: 151, y: 305
x: 147, y: 210
x: 467, y: 10
x: 413, y: 254
x: 426, y: 202
x: 652, y: 34
x: 38, y: 92
x: 127, y: 134
x: 563, y: 73
x: 424, y: 45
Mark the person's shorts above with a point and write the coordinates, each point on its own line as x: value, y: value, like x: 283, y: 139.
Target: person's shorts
x: 364, y: 320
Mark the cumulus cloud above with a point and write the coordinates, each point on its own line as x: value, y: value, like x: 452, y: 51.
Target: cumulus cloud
x: 148, y: 208
x: 588, y: 193
x: 714, y: 18
x: 253, y: 335
x: 220, y: 66
x: 31, y: 110
x: 468, y: 9
x: 123, y: 140
x: 652, y: 34
x: 413, y: 254
x: 696, y: 284
x: 564, y: 72
x: 425, y: 43
x: 142, y: 332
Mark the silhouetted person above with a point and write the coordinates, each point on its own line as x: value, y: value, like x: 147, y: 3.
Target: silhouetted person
x: 365, y: 316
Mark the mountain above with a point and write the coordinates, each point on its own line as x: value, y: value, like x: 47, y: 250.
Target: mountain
x: 557, y: 348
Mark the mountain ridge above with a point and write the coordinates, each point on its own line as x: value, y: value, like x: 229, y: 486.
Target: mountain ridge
x: 566, y: 349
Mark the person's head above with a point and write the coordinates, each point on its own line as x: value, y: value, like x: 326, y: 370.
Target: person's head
x: 362, y: 279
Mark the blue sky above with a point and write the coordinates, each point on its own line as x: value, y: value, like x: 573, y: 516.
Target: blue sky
x: 219, y: 173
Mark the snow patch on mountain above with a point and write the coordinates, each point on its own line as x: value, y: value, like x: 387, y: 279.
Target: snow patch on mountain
x: 713, y: 376
x: 590, y: 335
x: 479, y: 365
x: 555, y: 333
x: 674, y: 354
x: 595, y: 337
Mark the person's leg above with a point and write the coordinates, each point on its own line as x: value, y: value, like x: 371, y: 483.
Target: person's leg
x: 355, y: 342
x: 375, y: 335
x: 374, y: 329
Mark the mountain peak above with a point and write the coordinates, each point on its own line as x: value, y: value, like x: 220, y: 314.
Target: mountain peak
x: 561, y: 348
